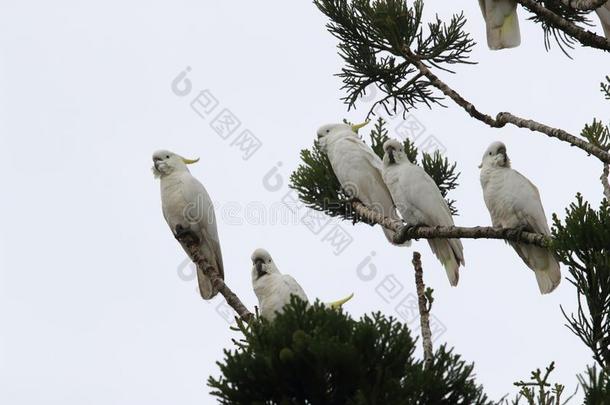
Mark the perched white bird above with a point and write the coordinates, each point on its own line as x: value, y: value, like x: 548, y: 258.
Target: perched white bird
x: 604, y: 15
x: 514, y: 202
x: 187, y: 207
x: 421, y: 203
x: 502, y: 23
x: 358, y: 169
x: 274, y: 289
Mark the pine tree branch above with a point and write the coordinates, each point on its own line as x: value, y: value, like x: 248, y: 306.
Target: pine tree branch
x: 404, y: 233
x: 504, y: 118
x: 586, y: 38
x: 605, y: 183
x: 584, y: 5
x: 424, y: 310
x: 217, y: 282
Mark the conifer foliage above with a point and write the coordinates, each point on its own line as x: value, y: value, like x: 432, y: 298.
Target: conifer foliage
x: 314, y: 355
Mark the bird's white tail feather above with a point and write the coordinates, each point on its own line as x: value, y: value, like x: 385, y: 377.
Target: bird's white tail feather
x: 449, y: 253
x: 547, y: 280
x: 205, y: 286
x: 508, y: 35
x: 604, y: 15
x: 544, y: 265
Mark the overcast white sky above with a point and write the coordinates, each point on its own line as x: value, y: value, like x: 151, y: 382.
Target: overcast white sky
x: 92, y: 305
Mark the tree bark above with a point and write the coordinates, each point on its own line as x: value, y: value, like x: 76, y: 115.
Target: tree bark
x: 424, y: 310
x: 604, y: 179
x: 504, y: 118
x: 586, y: 38
x: 404, y: 233
x: 217, y: 282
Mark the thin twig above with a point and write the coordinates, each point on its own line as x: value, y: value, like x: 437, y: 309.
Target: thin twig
x: 217, y: 282
x: 586, y: 38
x: 504, y: 118
x: 424, y: 310
x: 604, y: 179
x: 404, y: 233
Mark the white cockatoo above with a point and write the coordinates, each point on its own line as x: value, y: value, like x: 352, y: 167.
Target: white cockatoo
x: 187, y: 207
x: 604, y: 16
x: 420, y: 203
x: 514, y: 202
x: 274, y: 289
x: 358, y: 169
x: 502, y: 23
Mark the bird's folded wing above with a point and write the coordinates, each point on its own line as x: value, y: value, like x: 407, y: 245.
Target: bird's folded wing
x: 201, y: 212
x: 528, y: 205
x: 294, y: 287
x: 424, y: 195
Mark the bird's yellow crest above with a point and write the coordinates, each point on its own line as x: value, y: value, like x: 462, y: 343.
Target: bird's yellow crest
x: 356, y: 127
x: 190, y: 161
x: 339, y: 303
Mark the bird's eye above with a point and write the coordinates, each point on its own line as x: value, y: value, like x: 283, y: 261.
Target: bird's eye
x: 167, y: 157
x: 328, y: 130
x: 490, y: 153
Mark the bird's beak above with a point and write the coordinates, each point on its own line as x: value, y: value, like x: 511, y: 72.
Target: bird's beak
x: 258, y: 265
x: 190, y: 161
x: 391, y: 156
x: 355, y: 128
x: 505, y: 156
x: 481, y: 165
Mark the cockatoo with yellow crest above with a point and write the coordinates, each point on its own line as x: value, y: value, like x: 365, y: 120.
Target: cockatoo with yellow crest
x: 187, y: 207
x: 273, y: 289
x: 358, y: 169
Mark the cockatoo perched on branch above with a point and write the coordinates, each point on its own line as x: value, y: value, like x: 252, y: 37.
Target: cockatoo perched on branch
x: 421, y: 203
x: 514, y: 202
x: 274, y: 289
x: 502, y: 23
x: 187, y: 207
x: 358, y: 169
x: 604, y: 15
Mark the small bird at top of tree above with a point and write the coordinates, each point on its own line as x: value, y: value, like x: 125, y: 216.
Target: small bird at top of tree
x: 274, y: 290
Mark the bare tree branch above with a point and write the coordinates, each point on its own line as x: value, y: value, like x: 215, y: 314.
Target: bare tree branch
x: 217, y: 282
x: 504, y: 118
x: 584, y: 5
x: 604, y: 179
x: 508, y: 118
x: 586, y: 38
x: 404, y: 233
x: 424, y: 309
